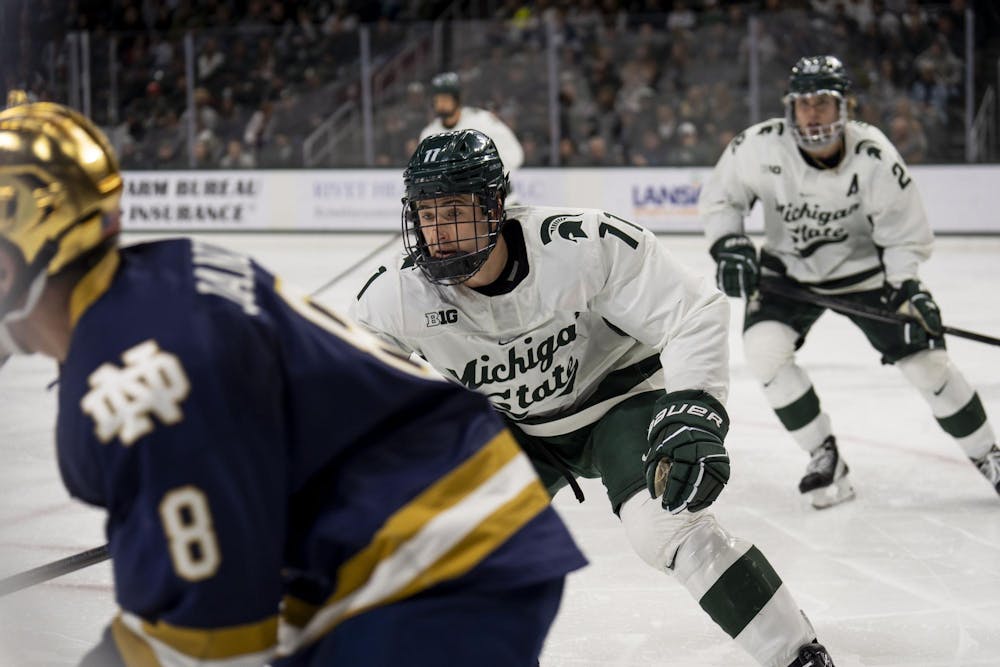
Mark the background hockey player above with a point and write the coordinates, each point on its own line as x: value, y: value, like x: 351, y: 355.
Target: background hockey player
x: 607, y: 358
x: 238, y: 433
x: 842, y: 216
x: 446, y: 96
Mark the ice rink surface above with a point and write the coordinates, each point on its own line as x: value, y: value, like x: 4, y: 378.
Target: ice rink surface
x: 907, y: 575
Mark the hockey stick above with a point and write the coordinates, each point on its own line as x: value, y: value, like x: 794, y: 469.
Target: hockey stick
x: 806, y: 296
x: 340, y: 276
x: 57, y: 568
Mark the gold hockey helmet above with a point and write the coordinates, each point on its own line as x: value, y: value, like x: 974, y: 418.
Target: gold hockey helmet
x: 15, y: 97
x: 60, y: 187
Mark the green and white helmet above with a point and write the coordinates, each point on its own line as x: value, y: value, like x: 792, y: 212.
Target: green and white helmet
x: 817, y: 75
x: 446, y: 83
x: 454, y: 163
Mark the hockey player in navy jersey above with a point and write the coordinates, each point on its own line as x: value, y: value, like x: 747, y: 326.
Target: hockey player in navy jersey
x: 269, y: 470
x: 842, y: 216
x: 607, y: 358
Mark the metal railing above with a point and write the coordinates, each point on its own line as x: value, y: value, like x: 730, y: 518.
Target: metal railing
x: 565, y: 86
x: 319, y: 148
x: 983, y: 137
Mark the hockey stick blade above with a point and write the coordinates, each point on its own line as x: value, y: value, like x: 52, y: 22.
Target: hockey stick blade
x: 806, y: 296
x: 57, y: 568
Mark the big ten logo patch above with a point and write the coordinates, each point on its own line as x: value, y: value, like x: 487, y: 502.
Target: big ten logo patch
x: 438, y: 317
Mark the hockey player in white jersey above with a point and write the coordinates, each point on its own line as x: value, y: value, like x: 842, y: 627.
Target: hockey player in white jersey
x: 446, y: 96
x: 842, y: 216
x: 606, y: 357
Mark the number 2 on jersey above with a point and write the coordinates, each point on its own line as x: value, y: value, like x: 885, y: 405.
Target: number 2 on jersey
x: 900, y: 174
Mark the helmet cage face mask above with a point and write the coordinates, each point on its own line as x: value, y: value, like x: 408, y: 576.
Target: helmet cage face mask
x: 453, y: 208
x: 813, y: 76
x: 463, y: 230
x: 820, y: 136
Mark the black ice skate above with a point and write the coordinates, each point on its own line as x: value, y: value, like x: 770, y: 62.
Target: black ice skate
x: 812, y: 655
x: 826, y: 481
x: 989, y: 466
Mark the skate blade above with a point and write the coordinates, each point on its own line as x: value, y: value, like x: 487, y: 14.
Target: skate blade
x: 839, y: 492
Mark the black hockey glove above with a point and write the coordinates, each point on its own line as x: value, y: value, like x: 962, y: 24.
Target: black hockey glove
x: 687, y: 461
x: 737, y: 270
x: 912, y: 298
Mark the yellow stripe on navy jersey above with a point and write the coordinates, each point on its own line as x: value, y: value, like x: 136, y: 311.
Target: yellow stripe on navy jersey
x: 443, y: 533
x: 296, y: 612
x: 477, y: 544
x: 134, y: 649
x: 93, y: 285
x: 142, y: 643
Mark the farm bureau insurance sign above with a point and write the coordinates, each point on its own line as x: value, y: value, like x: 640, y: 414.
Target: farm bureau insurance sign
x: 663, y: 199
x: 193, y: 200
x: 247, y: 200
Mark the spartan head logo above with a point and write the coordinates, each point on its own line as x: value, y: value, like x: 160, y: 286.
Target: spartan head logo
x: 567, y: 225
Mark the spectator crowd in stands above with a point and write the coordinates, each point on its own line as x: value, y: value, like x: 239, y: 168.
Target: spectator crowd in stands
x: 640, y: 83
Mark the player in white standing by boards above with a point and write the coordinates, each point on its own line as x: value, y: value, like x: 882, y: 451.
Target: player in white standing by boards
x: 446, y: 96
x: 842, y: 216
x: 606, y: 357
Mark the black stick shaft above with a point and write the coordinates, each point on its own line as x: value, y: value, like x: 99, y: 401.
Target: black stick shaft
x: 806, y: 296
x: 353, y: 267
x: 57, y: 568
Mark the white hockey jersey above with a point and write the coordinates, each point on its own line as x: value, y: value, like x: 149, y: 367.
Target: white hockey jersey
x: 844, y: 229
x: 604, y: 313
x: 472, y: 118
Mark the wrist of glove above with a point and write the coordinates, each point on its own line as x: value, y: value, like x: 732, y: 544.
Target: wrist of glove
x: 686, y: 462
x: 737, y: 269
x: 912, y: 299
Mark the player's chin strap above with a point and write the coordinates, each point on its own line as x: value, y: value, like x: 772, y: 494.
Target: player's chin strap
x: 36, y: 285
x: 8, y: 344
x: 33, y: 294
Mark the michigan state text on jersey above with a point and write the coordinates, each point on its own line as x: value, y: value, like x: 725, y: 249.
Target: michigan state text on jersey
x: 607, y: 358
x: 842, y: 215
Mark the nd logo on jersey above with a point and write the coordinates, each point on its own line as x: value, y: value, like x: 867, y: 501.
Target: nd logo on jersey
x: 121, y: 400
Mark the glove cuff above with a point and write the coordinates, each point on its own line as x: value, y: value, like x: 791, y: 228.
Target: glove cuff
x: 733, y: 243
x: 692, y: 407
x: 897, y: 296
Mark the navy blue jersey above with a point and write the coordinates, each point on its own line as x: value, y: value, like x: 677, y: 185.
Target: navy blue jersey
x: 249, y: 444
